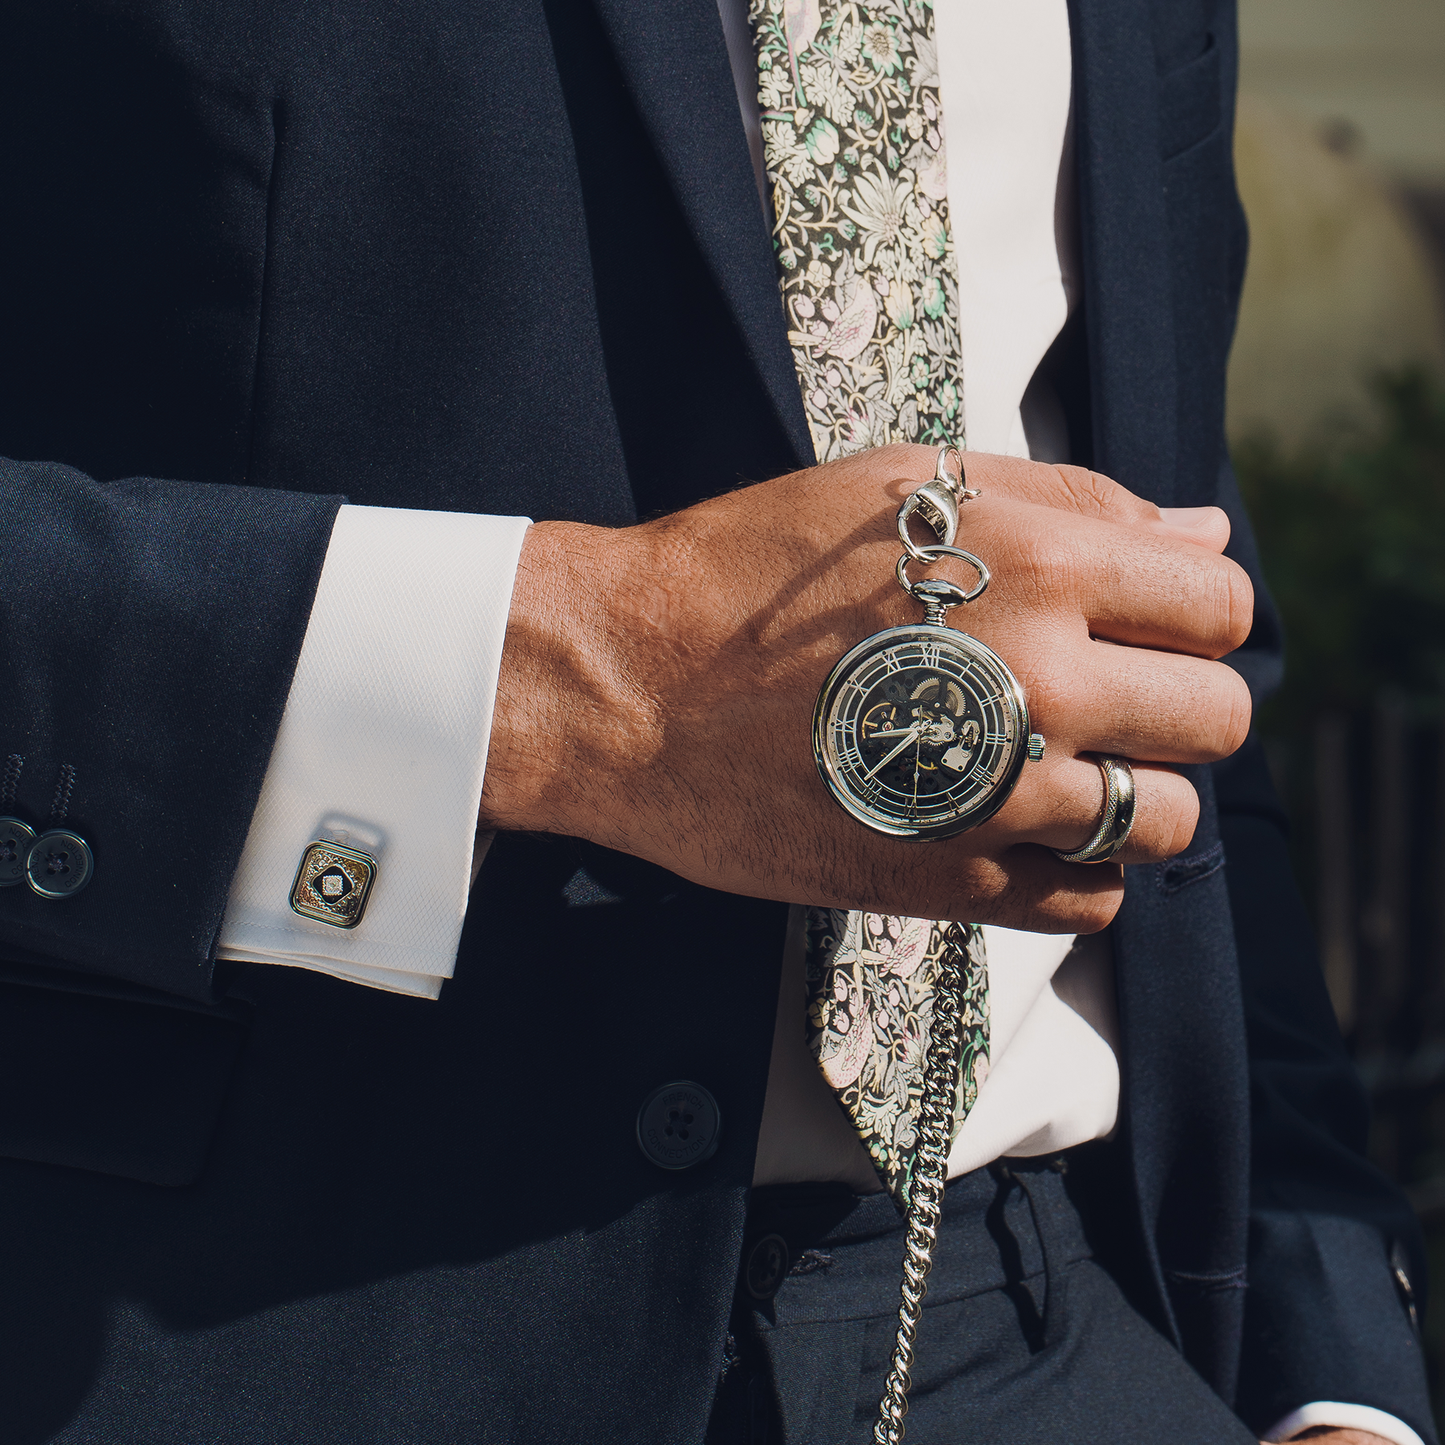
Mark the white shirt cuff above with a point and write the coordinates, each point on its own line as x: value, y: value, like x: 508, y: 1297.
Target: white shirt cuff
x: 383, y: 745
x: 1344, y: 1417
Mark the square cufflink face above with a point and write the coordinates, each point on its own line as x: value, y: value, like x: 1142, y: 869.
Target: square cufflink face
x: 332, y: 884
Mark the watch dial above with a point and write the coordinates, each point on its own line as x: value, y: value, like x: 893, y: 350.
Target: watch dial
x: 921, y: 731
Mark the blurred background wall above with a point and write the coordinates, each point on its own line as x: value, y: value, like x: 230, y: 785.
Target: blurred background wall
x: 1341, y: 157
x: 1337, y: 426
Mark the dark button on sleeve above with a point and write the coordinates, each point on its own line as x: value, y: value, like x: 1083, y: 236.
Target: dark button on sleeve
x: 15, y: 840
x: 59, y: 864
x: 678, y: 1125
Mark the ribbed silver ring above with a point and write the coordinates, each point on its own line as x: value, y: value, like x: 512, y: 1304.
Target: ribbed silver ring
x: 1117, y: 818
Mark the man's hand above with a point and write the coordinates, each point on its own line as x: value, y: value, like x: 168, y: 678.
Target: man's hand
x: 658, y: 682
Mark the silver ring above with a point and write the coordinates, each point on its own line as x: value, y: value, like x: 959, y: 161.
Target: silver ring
x: 1117, y: 819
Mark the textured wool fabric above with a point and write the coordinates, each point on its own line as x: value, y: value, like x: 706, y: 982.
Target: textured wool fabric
x: 383, y: 745
x: 129, y: 607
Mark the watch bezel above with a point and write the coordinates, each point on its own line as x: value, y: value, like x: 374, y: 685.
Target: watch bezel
x: 1002, y: 786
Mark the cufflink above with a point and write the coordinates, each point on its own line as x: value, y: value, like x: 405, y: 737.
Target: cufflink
x: 332, y: 884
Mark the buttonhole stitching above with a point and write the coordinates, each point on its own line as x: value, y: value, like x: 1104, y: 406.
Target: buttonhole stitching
x: 809, y: 1261
x: 13, y: 765
x: 65, y: 784
x: 1207, y: 1283
x: 1179, y: 873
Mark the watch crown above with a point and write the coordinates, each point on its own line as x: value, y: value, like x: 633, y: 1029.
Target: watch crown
x: 1036, y: 747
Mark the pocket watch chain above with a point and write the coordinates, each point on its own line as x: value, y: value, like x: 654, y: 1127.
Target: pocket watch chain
x: 937, y: 504
x: 930, y: 1175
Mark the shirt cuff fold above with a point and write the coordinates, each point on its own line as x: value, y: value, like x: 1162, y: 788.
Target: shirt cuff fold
x: 1344, y: 1417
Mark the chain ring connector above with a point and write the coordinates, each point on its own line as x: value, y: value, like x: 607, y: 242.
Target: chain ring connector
x: 937, y: 594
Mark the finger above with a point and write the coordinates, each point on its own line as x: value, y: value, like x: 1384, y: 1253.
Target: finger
x: 1058, y: 486
x: 1091, y: 494
x: 1067, y: 488
x: 1139, y: 587
x: 1060, y: 806
x: 1023, y: 886
x: 1204, y: 526
x: 1027, y: 887
x: 1153, y: 591
x: 1156, y: 706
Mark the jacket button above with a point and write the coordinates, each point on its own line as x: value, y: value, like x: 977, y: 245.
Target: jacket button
x: 678, y: 1125
x: 15, y: 840
x: 767, y: 1266
x: 59, y: 864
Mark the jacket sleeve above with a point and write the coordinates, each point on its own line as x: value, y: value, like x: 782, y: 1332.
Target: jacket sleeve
x: 148, y: 634
x: 1335, y: 1252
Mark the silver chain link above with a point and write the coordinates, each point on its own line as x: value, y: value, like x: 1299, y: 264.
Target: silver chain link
x: 930, y: 1175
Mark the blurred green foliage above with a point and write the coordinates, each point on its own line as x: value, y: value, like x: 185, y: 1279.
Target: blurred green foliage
x: 1352, y: 537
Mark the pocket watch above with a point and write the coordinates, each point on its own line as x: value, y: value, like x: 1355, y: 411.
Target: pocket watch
x: 922, y: 731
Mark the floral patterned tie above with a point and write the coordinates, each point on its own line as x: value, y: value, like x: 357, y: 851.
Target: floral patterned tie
x: 853, y: 144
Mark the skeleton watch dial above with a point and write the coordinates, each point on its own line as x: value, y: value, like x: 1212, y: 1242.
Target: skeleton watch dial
x: 920, y: 732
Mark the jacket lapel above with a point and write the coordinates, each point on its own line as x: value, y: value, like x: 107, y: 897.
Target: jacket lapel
x: 676, y: 63
x: 1128, y: 300
x: 1185, y: 1105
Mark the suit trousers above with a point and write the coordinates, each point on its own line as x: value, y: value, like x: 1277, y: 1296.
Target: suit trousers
x: 1025, y: 1338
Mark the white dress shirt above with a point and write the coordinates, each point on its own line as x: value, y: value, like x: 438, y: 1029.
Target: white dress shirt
x: 384, y: 738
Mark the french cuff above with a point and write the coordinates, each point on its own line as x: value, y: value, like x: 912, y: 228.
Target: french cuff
x: 383, y: 747
x: 1344, y: 1417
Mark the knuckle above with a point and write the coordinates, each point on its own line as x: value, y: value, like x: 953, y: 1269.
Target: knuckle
x: 1099, y: 496
x: 1183, y: 822
x: 1224, y: 599
x: 1092, y: 912
x: 1054, y: 680
x: 1050, y: 556
x: 1239, y: 713
x: 1168, y: 815
x: 1216, y: 713
x: 1240, y: 607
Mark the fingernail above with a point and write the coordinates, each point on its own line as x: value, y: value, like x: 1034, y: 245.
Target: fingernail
x: 1191, y: 519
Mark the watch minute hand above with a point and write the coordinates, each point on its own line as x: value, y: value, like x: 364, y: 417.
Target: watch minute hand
x: 914, y: 733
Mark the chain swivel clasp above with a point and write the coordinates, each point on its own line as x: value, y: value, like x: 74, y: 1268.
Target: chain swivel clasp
x: 937, y: 502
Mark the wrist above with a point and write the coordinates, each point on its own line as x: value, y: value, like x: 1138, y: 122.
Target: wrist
x: 566, y: 711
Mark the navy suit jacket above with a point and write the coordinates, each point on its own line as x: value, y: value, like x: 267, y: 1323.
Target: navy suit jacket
x: 260, y: 256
